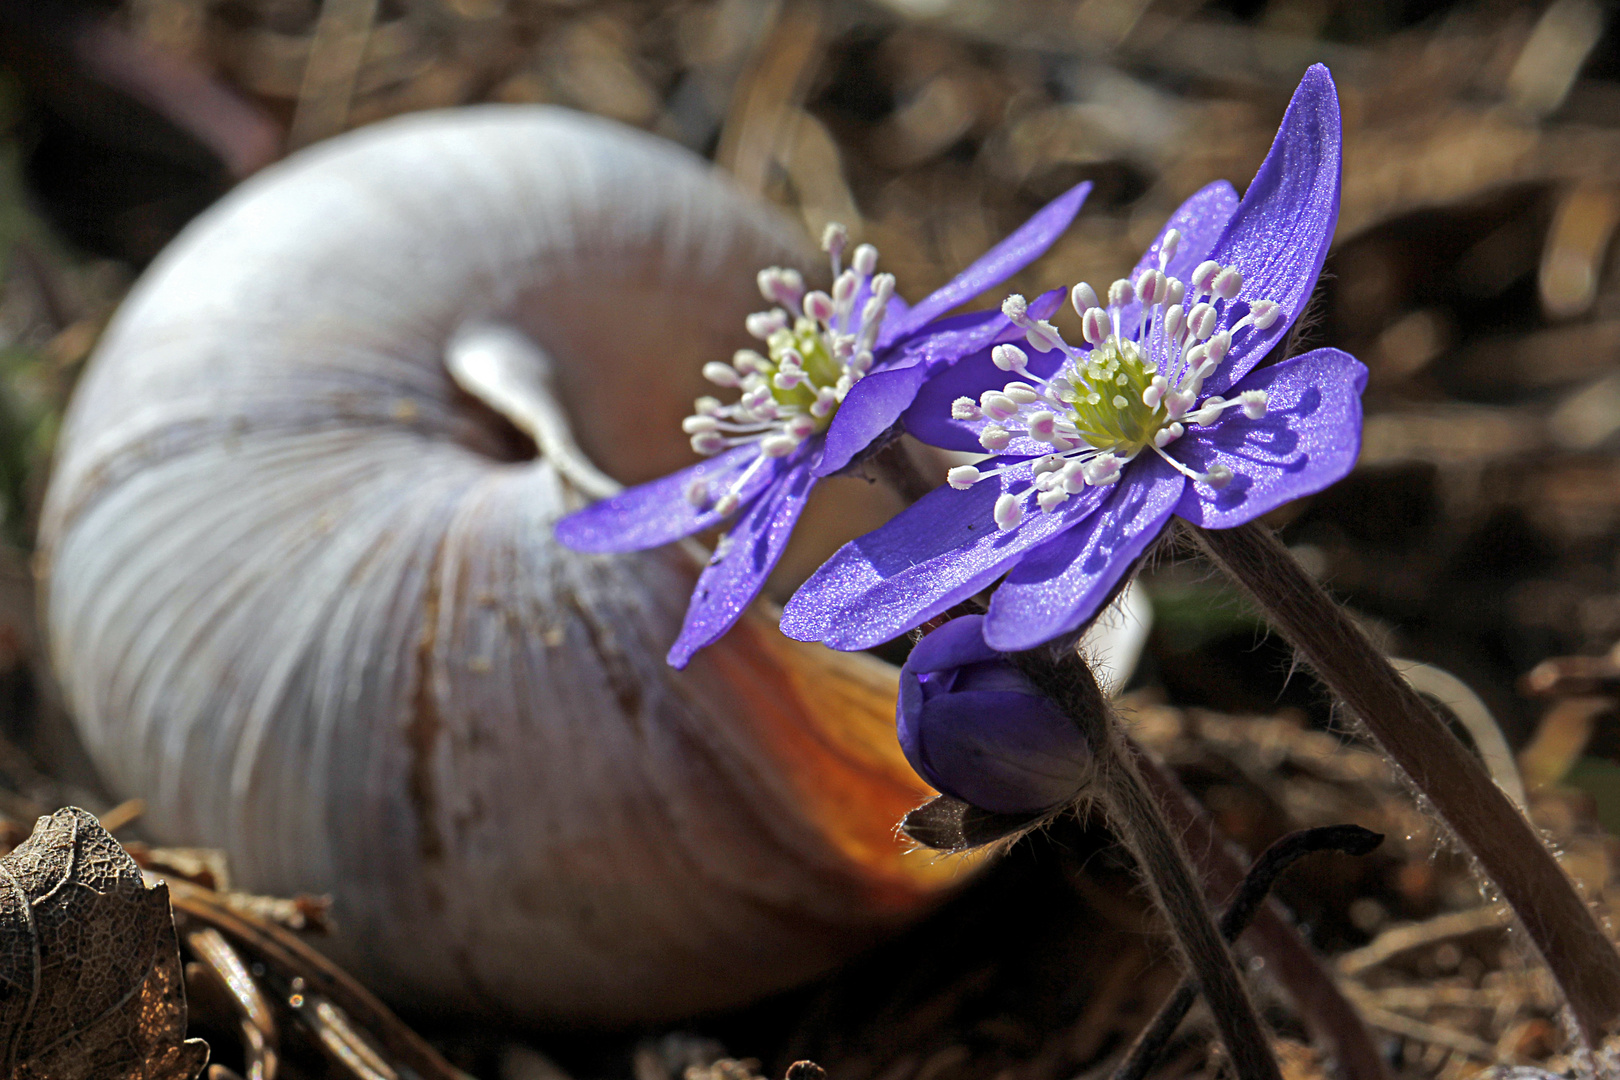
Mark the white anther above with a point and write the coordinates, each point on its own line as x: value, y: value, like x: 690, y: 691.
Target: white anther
x: 1177, y: 402
x: 1021, y: 393
x: 759, y: 400
x: 1096, y: 326
x: 707, y: 406
x: 1263, y: 313
x: 694, y: 424
x: 833, y: 238
x: 1103, y: 470
x: 1051, y: 500
x: 845, y: 381
x: 1121, y: 293
x: 1155, y: 392
x: 1043, y: 336
x: 826, y: 402
x: 1041, y: 426
x: 1009, y: 358
x: 997, y: 406
x: 801, y: 426
x: 792, y: 283
x: 726, y: 505
x: 788, y: 378
x: 762, y: 324
x: 1204, y: 276
x: 1167, y: 435
x: 844, y: 288
x: 864, y: 261
x: 1074, y: 477
x: 1216, y: 348
x: 1151, y: 286
x: 1083, y: 297
x: 696, y: 491
x: 1167, y: 249
x: 962, y: 477
x: 1201, y: 321
x: 995, y: 438
x: 1048, y: 480
x: 708, y: 442
x: 1008, y: 513
x: 1175, y: 291
x: 779, y: 445
x: 767, y: 281
x: 965, y: 408
x: 747, y: 360
x: 819, y: 306
x: 1227, y: 283
x: 882, y: 291
x: 1209, y: 412
x: 721, y: 374
x: 1049, y: 463
x: 1254, y: 403
x: 1174, y: 317
x: 1015, y: 307
x: 861, y: 362
x: 1218, y: 476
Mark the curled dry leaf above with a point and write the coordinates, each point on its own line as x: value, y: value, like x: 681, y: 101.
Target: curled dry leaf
x: 90, y: 977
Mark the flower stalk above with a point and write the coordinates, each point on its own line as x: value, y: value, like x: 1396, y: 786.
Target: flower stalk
x: 1059, y: 672
x: 1576, y: 950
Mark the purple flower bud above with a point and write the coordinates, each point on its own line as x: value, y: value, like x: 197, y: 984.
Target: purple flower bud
x: 975, y: 728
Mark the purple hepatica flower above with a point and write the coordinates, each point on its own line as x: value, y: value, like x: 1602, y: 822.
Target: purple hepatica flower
x: 838, y: 372
x: 1162, y: 411
x: 978, y: 731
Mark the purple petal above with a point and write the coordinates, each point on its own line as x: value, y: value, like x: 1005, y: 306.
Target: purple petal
x: 1281, y: 231
x: 1308, y: 439
x: 1022, y: 247
x: 1057, y: 587
x: 1004, y: 752
x: 658, y: 512
x: 1200, y: 220
x: 869, y: 409
x: 958, y: 642
x: 936, y: 553
x: 873, y: 405
x: 742, y: 560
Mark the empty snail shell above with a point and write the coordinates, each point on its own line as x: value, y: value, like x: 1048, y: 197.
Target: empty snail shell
x: 303, y: 596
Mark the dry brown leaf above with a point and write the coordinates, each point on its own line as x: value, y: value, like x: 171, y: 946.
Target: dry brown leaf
x: 90, y: 977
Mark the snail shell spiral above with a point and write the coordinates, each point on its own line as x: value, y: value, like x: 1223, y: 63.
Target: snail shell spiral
x: 303, y: 596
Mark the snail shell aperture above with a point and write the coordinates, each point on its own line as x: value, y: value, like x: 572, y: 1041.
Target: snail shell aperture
x: 303, y: 595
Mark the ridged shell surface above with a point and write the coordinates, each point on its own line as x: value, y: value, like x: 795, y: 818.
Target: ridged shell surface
x: 304, y: 598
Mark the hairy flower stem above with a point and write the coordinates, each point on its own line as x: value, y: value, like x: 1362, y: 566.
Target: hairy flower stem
x: 1060, y: 673
x: 1558, y: 922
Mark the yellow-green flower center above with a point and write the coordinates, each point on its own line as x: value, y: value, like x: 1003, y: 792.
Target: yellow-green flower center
x: 1104, y: 394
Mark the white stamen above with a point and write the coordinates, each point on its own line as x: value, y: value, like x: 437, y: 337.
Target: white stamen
x: 1201, y: 321
x: 1254, y: 403
x: 1174, y: 317
x: 1167, y: 249
x: 1263, y: 313
x: 708, y: 443
x: 965, y: 408
x: 1103, y: 470
x: 997, y: 406
x: 1218, y: 476
x: 1009, y: 358
x: 1227, y: 283
x: 1016, y: 308
x: 762, y: 324
x: 1041, y: 426
x: 1204, y: 276
x: 864, y: 261
x: 1095, y: 326
x: 726, y: 505
x: 1051, y: 500
x: 833, y: 238
x: 819, y: 306
x: 1008, y: 513
x: 779, y: 445
x: 1021, y: 393
x: 1083, y: 297
x: 706, y: 405
x: 697, y: 491
x: 721, y: 374
x: 995, y: 438
x: 962, y: 477
x: 1121, y: 293
x: 1175, y: 291
x: 694, y: 424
